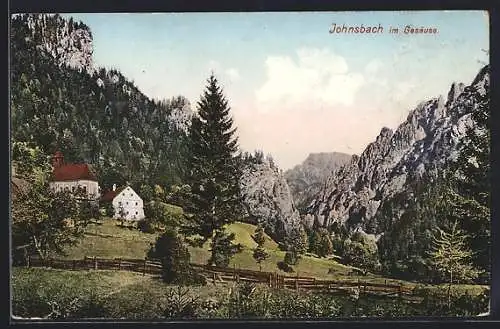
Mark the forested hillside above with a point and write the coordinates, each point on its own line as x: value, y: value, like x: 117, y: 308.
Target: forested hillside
x: 60, y: 102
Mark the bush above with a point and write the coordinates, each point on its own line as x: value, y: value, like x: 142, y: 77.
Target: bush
x: 291, y: 258
x: 361, y: 254
x: 174, y: 256
x: 180, y: 304
x: 145, y: 226
x: 435, y: 302
x: 285, y: 267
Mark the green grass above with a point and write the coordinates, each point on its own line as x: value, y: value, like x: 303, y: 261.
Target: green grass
x: 126, y: 294
x: 110, y: 240
x: 244, y: 233
x: 48, y: 281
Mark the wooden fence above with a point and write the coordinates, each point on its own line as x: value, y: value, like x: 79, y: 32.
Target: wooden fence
x: 217, y: 274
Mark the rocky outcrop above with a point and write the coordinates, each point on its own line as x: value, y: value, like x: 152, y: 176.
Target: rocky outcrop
x: 68, y: 42
x: 396, y: 159
x: 305, y: 180
x: 267, y: 199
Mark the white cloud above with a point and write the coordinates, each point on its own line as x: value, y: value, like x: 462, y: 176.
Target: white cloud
x: 318, y: 76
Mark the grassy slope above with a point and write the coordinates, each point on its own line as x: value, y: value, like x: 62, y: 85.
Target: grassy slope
x: 111, y: 241
x: 133, y: 296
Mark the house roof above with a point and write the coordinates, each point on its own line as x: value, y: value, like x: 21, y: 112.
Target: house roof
x: 71, y: 172
x: 110, y: 195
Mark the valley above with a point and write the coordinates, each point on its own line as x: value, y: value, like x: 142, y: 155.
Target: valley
x: 100, y: 169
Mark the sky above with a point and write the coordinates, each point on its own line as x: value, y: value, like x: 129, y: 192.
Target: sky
x: 293, y: 87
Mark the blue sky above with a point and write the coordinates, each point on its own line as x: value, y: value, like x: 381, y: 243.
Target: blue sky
x: 295, y: 88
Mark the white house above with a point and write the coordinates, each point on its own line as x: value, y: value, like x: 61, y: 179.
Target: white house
x: 126, y: 203
x: 71, y: 177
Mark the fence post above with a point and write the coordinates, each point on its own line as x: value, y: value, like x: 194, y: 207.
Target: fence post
x: 144, y: 268
x: 359, y: 284
x: 28, y: 261
x: 95, y: 263
x: 270, y: 280
x: 296, y: 284
x: 119, y: 264
x: 237, y: 278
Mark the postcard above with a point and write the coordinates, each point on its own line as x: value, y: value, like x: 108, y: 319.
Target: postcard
x: 250, y: 165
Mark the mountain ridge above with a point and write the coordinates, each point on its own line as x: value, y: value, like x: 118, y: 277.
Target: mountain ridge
x: 421, y: 144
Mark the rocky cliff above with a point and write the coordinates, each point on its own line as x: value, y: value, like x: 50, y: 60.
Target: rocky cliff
x: 305, y: 180
x: 68, y: 42
x: 267, y: 199
x: 396, y: 159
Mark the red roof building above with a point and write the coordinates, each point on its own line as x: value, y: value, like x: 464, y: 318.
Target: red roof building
x: 73, y: 176
x: 72, y: 172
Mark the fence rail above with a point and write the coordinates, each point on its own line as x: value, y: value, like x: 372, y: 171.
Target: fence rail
x: 218, y: 274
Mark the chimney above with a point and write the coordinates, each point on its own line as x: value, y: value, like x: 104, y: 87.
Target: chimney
x: 114, y: 187
x: 57, y: 160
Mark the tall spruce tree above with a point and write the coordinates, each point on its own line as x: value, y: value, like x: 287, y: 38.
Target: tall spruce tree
x: 472, y: 183
x: 214, y: 170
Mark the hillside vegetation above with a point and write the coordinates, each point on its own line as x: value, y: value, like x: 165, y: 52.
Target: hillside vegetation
x: 109, y: 240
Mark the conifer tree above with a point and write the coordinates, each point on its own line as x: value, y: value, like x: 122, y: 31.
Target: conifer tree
x: 450, y: 255
x: 214, y: 170
x: 471, y: 182
x: 296, y: 244
x: 259, y: 253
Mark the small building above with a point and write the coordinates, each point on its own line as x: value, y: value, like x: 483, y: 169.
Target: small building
x: 126, y: 203
x: 72, y: 177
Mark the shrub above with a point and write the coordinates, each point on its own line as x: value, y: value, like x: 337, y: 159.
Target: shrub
x: 285, y: 267
x: 145, y: 226
x: 361, y: 254
x: 291, y: 258
x: 174, y: 256
x: 180, y: 304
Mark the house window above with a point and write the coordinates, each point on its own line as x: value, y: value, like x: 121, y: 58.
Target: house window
x: 136, y: 203
x: 127, y: 202
x: 127, y: 212
x: 85, y: 189
x: 136, y: 212
x: 72, y: 189
x: 131, y: 194
x: 119, y: 203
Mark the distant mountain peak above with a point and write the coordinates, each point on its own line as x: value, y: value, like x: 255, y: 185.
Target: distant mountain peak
x: 306, y: 179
